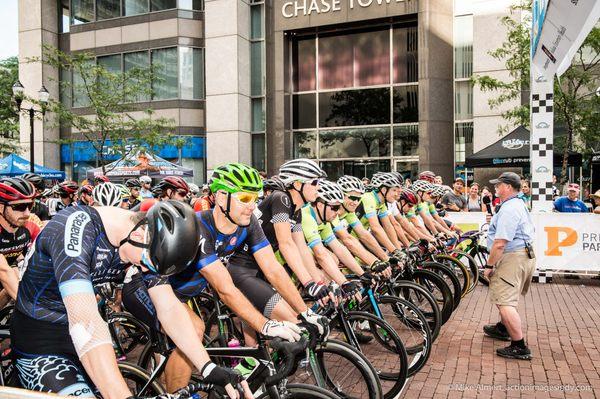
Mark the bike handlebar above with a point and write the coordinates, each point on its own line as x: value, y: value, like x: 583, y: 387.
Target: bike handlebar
x: 289, y: 351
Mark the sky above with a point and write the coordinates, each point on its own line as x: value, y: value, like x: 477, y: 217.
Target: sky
x: 9, y: 28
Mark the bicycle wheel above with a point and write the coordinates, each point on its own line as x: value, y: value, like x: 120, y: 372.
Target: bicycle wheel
x: 300, y: 391
x: 410, y: 325
x: 438, y: 288
x: 468, y: 261
x: 449, y: 278
x: 480, y: 254
x: 340, y: 368
x: 127, y: 332
x: 385, y: 351
x: 136, y: 379
x: 424, y: 300
x: 460, y: 270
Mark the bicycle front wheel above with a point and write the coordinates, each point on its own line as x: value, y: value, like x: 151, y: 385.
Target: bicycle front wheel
x: 137, y: 380
x: 301, y: 391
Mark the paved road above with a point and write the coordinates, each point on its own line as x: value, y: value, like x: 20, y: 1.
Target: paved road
x: 562, y: 324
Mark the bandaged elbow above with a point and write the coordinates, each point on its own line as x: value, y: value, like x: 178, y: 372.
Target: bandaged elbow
x: 87, y: 329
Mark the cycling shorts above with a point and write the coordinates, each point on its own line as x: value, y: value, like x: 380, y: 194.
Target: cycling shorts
x: 256, y: 289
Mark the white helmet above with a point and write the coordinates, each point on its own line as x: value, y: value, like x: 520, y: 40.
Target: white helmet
x: 194, y: 189
x: 303, y: 170
x: 107, y: 194
x: 385, y: 180
x: 438, y: 190
x: 330, y: 192
x: 422, y: 186
x: 351, y: 183
x: 145, y: 179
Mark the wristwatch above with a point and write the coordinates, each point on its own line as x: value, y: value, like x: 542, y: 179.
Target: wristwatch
x: 489, y: 266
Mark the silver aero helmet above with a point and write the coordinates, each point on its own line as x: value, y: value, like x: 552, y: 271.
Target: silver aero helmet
x: 384, y: 180
x: 330, y: 192
x: 399, y: 177
x: 107, y: 194
x: 194, y: 189
x: 145, y: 179
x: 438, y: 190
x: 351, y: 183
x: 422, y: 186
x: 303, y: 170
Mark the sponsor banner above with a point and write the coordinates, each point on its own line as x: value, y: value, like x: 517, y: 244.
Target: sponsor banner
x: 467, y: 221
x: 567, y: 241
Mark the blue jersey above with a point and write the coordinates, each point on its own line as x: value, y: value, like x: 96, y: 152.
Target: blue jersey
x: 566, y: 205
x: 216, y: 246
x: 73, y: 246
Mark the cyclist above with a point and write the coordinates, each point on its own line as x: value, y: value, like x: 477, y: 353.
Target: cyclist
x: 17, y: 232
x: 226, y: 233
x: 194, y: 192
x: 423, y: 189
x: 393, y: 211
x: 60, y: 343
x: 319, y: 235
x: 353, y: 188
x: 39, y: 209
x: 107, y: 194
x: 206, y: 202
x: 101, y: 179
x: 372, y: 211
x: 272, y: 184
x: 172, y: 187
x: 407, y: 202
x: 134, y: 186
x: 125, y: 195
x: 146, y: 182
x: 66, y: 192
x: 85, y: 195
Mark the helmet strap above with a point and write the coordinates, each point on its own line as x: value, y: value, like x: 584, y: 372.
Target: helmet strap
x: 227, y: 211
x: 384, y: 193
x: 128, y: 240
x: 301, y: 191
x: 324, y: 214
x: 346, y: 209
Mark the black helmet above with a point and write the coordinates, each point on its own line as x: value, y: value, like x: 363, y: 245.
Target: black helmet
x: 35, y: 179
x: 174, y: 236
x: 15, y: 189
x: 133, y: 183
x: 274, y: 183
x: 157, y: 190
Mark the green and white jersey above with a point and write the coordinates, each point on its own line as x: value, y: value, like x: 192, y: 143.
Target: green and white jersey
x: 369, y: 206
x: 314, y: 232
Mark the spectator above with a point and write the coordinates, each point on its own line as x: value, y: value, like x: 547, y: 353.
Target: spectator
x: 486, y: 200
x: 455, y: 200
x: 146, y: 182
x: 474, y: 201
x: 571, y: 202
x: 525, y: 193
x: 555, y: 189
x: 438, y: 180
x: 407, y: 182
x: 366, y: 181
x: 596, y: 202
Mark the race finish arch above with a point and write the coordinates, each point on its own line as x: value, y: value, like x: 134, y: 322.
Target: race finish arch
x: 559, y: 29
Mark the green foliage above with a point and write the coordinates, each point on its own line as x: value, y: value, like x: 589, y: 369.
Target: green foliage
x: 110, y: 113
x: 9, y: 114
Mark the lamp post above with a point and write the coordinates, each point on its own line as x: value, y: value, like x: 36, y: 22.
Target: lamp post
x: 43, y: 97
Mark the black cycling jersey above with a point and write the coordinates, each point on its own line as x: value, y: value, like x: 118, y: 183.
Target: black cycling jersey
x: 278, y: 207
x: 13, y: 245
x: 214, y: 246
x: 41, y: 210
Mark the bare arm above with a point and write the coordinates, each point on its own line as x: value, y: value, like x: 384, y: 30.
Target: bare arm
x: 290, y: 251
x: 414, y: 230
x: 380, y: 234
x: 391, y: 233
x: 219, y: 278
x: 367, y: 238
x: 428, y: 221
x: 327, y: 263
x: 345, y: 257
x: 355, y: 247
x: 9, y: 278
x: 279, y: 279
x: 307, y: 257
x: 399, y: 231
x: 497, y: 251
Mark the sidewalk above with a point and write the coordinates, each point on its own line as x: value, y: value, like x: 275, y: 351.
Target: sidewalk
x: 562, y: 324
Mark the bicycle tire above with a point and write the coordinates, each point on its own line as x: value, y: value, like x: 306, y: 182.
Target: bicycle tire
x: 137, y: 333
x: 416, y: 336
x: 363, y: 371
x: 392, y: 381
x: 424, y: 300
x: 480, y: 254
x: 472, y: 267
x: 462, y: 272
x: 139, y: 378
x: 449, y: 278
x: 301, y: 391
x: 438, y: 288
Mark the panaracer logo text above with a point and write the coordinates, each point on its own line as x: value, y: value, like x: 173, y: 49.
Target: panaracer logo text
x: 74, y: 227
x: 562, y: 237
x: 514, y: 144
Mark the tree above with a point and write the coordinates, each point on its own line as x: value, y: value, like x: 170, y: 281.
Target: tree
x: 9, y: 114
x: 111, y: 112
x: 574, y: 107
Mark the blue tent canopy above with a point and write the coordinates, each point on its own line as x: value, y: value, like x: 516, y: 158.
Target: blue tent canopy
x: 14, y: 165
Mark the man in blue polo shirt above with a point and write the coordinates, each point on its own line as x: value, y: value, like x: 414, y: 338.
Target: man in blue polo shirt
x: 510, y: 264
x: 571, y: 202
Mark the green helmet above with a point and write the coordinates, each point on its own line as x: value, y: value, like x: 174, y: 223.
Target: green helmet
x: 235, y: 177
x: 125, y: 193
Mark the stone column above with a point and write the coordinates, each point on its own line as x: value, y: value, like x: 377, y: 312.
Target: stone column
x: 227, y: 30
x: 436, y: 135
x: 38, y: 25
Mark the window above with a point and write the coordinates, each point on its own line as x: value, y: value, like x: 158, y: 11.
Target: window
x: 354, y: 107
x: 191, y: 73
x: 305, y: 111
x: 258, y: 151
x: 196, y: 5
x: 406, y: 140
x: 83, y: 11
x: 463, y: 100
x: 256, y: 22
x: 350, y: 143
x: 406, y: 104
x: 406, y: 65
x: 64, y: 20
x: 164, y: 63
x: 305, y: 144
x: 159, y: 5
x: 304, y: 60
x: 463, y: 46
x: 80, y: 97
x: 258, y: 115
x: 112, y: 63
x: 256, y: 68
x: 140, y: 61
x: 108, y: 9
x: 463, y: 141
x: 66, y: 97
x: 134, y: 7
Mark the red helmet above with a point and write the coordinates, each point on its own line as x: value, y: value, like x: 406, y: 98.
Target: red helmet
x: 86, y: 189
x: 67, y: 188
x: 101, y: 179
x: 427, y: 176
x: 174, y: 182
x: 409, y: 196
x: 16, y: 189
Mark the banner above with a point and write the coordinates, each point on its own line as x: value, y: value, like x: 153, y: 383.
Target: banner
x: 566, y: 241
x: 467, y: 221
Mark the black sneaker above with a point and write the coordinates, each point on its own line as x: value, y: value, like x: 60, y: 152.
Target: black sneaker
x: 363, y: 338
x: 514, y: 352
x: 493, y: 331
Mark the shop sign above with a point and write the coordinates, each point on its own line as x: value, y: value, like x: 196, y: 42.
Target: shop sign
x: 295, y: 8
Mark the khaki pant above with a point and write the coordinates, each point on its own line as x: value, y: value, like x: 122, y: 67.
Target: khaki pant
x: 511, y: 277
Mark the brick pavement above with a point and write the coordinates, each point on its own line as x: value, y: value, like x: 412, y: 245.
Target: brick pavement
x: 562, y: 324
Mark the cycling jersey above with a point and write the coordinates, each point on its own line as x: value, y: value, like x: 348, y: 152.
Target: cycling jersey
x: 314, y: 232
x: 145, y: 205
x: 203, y: 204
x: 369, y: 206
x: 412, y: 212
x: 134, y: 202
x: 14, y: 245
x: 40, y: 210
x: 349, y: 219
x: 277, y: 208
x: 393, y: 208
x: 55, y: 205
x: 432, y: 209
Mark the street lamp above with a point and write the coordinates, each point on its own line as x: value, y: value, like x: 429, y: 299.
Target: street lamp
x: 43, y: 97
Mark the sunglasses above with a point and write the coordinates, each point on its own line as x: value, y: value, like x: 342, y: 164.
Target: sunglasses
x: 353, y: 197
x: 334, y: 208
x: 245, y: 198
x: 125, y: 200
x: 26, y: 206
x: 182, y: 193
